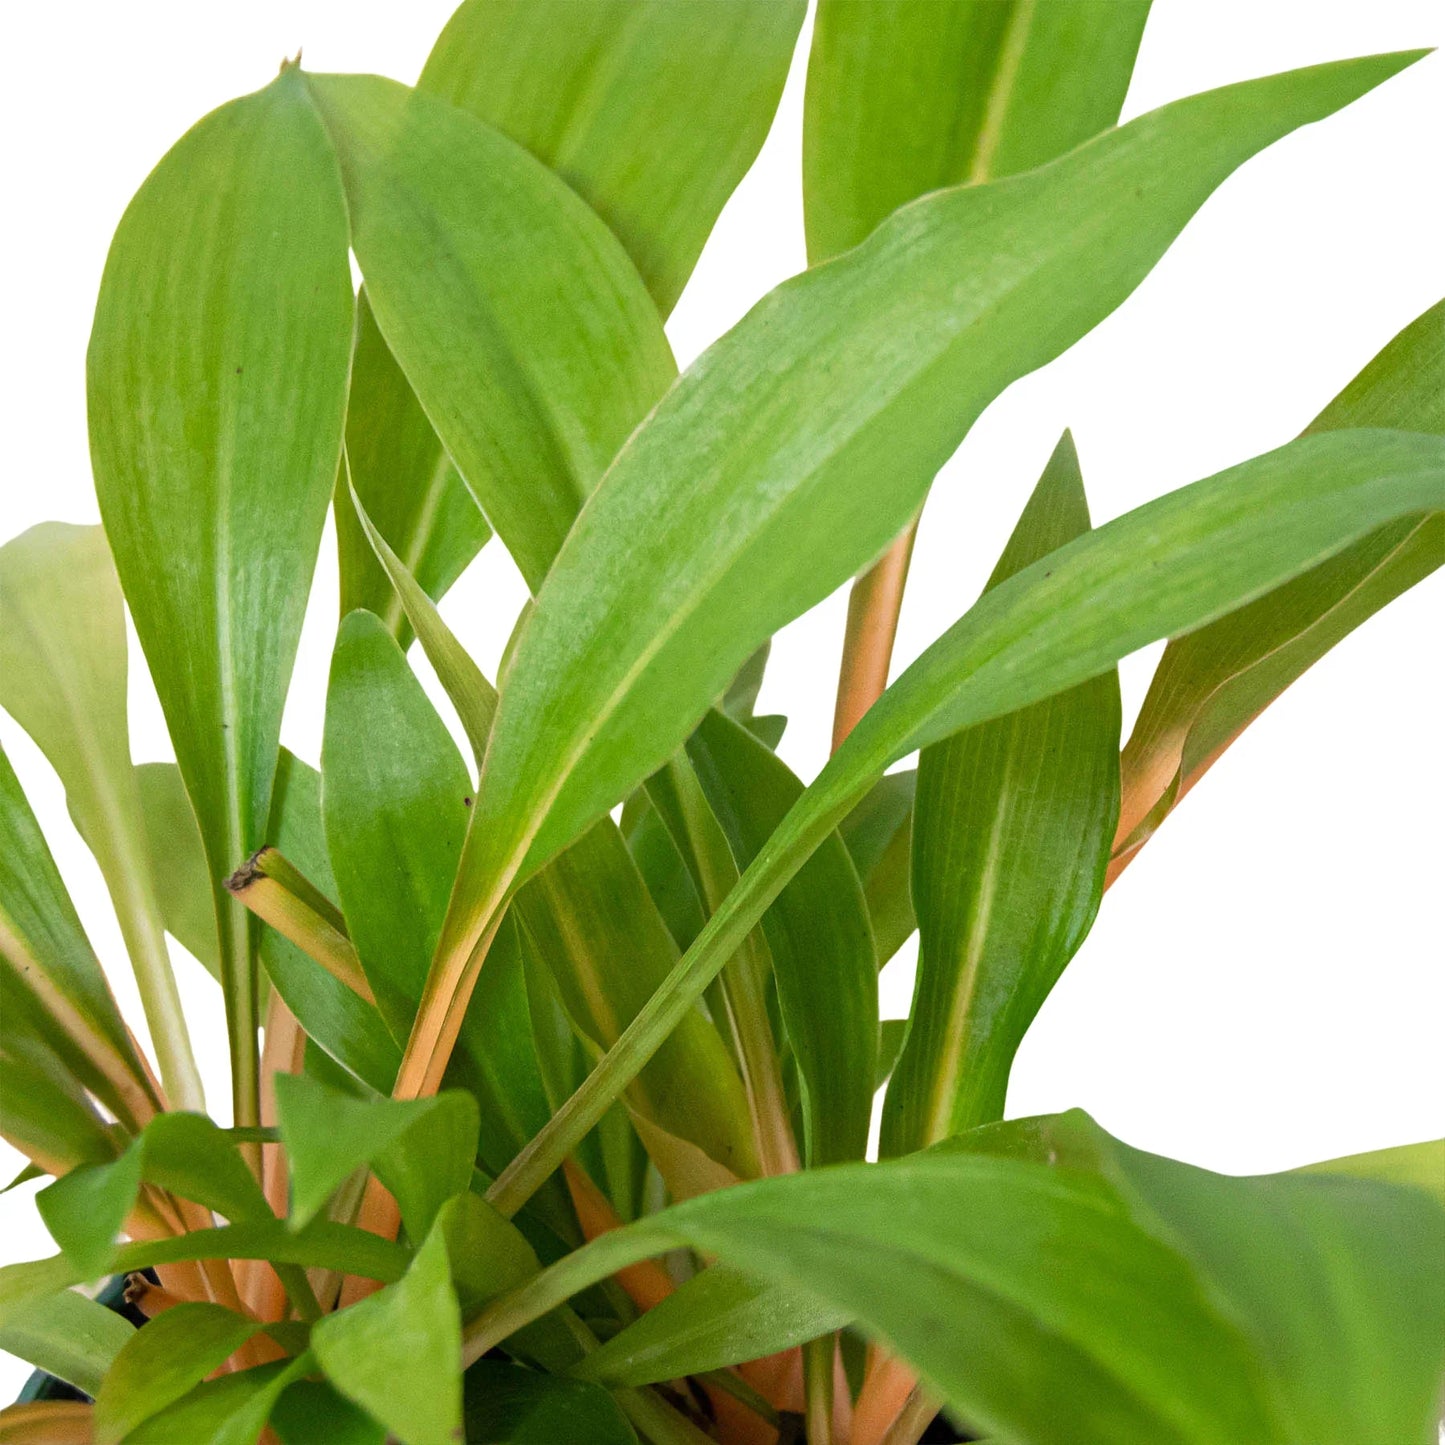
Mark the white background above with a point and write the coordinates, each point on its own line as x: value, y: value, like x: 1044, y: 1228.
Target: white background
x: 1265, y: 985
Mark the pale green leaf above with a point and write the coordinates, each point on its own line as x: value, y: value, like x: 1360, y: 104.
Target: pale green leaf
x: 1420, y: 1165
x: 68, y: 1336
x: 178, y: 863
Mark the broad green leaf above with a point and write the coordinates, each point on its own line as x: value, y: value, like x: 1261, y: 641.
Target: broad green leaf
x: 1012, y: 827
x: 43, y: 942
x: 165, y: 1360
x: 651, y: 110
x: 879, y: 837
x: 720, y: 1317
x: 1419, y: 1165
x: 488, y: 277
x: 178, y: 862
x: 1100, y: 1298
x: 1211, y: 547
x: 68, y: 1336
x: 1211, y: 685
x: 818, y: 934
x: 743, y: 500
x: 395, y: 801
x: 407, y: 484
x: 231, y: 1410
x: 591, y: 921
x: 85, y: 1209
x: 398, y: 1353
x: 504, y: 1404
x: 422, y: 1149
x: 215, y: 439
x: 909, y: 96
x: 310, y: 1412
x: 63, y: 679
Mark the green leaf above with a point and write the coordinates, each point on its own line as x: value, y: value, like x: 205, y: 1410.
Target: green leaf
x: 1419, y: 1165
x: 231, y: 1410
x: 892, y: 1033
x: 397, y: 1354
x: 68, y: 1336
x: 720, y: 1317
x: 310, y: 1412
x: 86, y: 1209
x: 650, y: 109
x: 165, y: 1360
x: 1211, y: 547
x: 1101, y: 1298
x: 1012, y: 828
x: 44, y: 1112
x: 178, y: 862
x: 742, y: 501
x: 909, y: 96
x: 818, y: 934
x: 395, y: 804
x: 215, y: 438
x: 879, y: 837
x: 421, y: 1149
x: 1211, y: 685
x: 407, y: 484
x: 63, y: 679
x: 489, y: 277
x: 504, y: 1404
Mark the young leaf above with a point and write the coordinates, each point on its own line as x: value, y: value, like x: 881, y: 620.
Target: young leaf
x: 407, y: 484
x: 650, y: 109
x: 1211, y: 685
x: 504, y: 1404
x: 215, y: 439
x: 911, y: 96
x: 1211, y: 547
x: 704, y: 537
x: 1011, y: 834
x: 63, y: 679
x: 68, y: 1336
x: 397, y: 1354
x: 489, y: 277
x: 817, y: 932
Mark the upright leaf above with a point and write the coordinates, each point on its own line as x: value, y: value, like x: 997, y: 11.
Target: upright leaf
x: 489, y: 277
x: 909, y: 96
x: 217, y: 379
x: 63, y: 679
x: 651, y: 110
x: 1211, y: 685
x: 178, y: 862
x: 1011, y: 834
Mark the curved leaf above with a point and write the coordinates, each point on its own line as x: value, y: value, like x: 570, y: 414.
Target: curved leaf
x: 68, y: 1336
x: 231, y: 1410
x: 1419, y: 1165
x: 215, y: 438
x: 506, y: 1405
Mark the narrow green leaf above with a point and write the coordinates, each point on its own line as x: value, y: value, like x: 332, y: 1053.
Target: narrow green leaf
x: 879, y: 836
x: 651, y: 110
x: 406, y: 483
x: 1012, y: 829
x: 892, y: 1034
x: 44, y: 1112
x: 231, y: 1410
x: 1211, y: 685
x: 909, y: 96
x: 506, y: 1405
x: 818, y: 934
x: 397, y: 1354
x: 706, y: 536
x: 178, y: 862
x: 718, y: 1318
x: 68, y: 1336
x: 63, y: 679
x: 1419, y: 1165
x: 489, y: 277
x: 1211, y: 547
x: 165, y: 1360
x: 215, y: 439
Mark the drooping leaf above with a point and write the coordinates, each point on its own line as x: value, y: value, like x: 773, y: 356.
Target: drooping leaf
x: 1211, y: 685
x: 1103, y: 1296
x: 1012, y: 827
x: 398, y: 1353
x: 504, y: 1404
x: 705, y: 537
x: 407, y: 484
x: 909, y: 96
x: 818, y: 934
x: 215, y: 438
x: 68, y: 1336
x: 879, y: 836
x: 63, y: 679
x: 1210, y: 548
x: 489, y: 277
x: 651, y: 110
x: 1419, y: 1165
x: 178, y: 861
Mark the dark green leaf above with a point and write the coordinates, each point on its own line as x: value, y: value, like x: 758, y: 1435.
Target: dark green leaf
x: 310, y: 1412
x: 1012, y: 828
x: 652, y: 110
x: 215, y: 438
x: 68, y: 1336
x: 879, y: 836
x: 504, y: 1404
x: 908, y: 96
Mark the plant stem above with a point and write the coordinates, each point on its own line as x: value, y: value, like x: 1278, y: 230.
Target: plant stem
x: 873, y: 608
x: 818, y: 1358
x: 238, y: 975
x: 914, y: 1419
